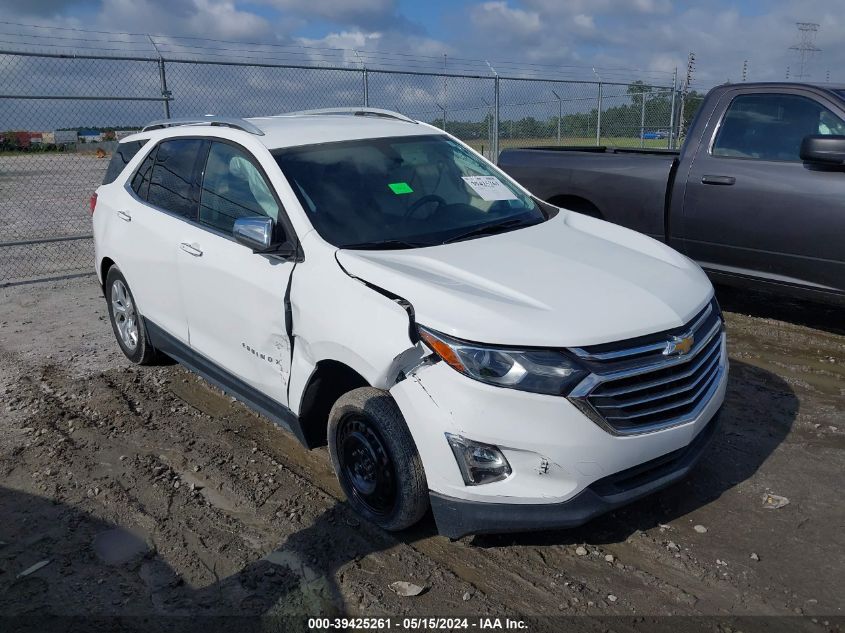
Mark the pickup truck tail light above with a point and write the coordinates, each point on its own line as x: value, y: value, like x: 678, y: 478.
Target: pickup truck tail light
x: 93, y: 202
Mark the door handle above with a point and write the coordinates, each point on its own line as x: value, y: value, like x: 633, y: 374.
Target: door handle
x: 717, y: 180
x: 190, y: 249
x: 123, y: 215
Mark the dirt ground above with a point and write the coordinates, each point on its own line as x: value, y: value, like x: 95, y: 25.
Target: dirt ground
x: 148, y: 492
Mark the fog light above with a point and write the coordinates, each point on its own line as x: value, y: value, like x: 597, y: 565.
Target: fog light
x: 479, y: 463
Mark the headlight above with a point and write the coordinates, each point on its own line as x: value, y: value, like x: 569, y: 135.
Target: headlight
x: 538, y: 370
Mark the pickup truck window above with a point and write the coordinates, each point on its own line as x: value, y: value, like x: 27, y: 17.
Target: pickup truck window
x: 403, y: 192
x: 772, y: 126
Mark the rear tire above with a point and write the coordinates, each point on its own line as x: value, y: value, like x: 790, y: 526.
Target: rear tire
x: 376, y: 460
x: 126, y: 321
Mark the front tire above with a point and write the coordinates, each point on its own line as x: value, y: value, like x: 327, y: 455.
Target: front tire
x: 126, y: 321
x: 376, y: 460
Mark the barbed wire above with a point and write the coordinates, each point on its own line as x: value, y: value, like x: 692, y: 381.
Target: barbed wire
x: 189, y: 48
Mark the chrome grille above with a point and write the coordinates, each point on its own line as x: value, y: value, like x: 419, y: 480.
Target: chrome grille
x: 639, y: 386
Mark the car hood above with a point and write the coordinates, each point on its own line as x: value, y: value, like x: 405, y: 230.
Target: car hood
x: 570, y: 281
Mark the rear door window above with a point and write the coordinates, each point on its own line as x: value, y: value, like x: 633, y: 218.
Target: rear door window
x: 121, y: 157
x: 172, y: 176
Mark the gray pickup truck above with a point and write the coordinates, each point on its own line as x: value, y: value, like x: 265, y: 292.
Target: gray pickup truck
x: 756, y: 195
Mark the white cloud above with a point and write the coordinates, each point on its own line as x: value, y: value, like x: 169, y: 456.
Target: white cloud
x: 584, y: 21
x: 206, y: 18
x: 503, y: 22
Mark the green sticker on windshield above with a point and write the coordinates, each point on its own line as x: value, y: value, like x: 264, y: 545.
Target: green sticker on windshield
x: 400, y: 188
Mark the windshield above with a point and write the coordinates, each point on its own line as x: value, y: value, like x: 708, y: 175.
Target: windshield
x: 403, y: 192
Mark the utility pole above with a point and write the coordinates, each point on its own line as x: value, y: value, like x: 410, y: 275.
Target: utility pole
x: 744, y: 70
x: 787, y: 73
x: 806, y: 47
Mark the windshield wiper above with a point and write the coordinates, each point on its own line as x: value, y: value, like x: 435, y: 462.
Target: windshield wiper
x: 488, y: 229
x: 384, y: 245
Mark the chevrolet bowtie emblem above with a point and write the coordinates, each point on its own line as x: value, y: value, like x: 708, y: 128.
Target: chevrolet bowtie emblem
x: 679, y: 345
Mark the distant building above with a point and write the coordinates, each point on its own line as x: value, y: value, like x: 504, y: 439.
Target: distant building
x: 64, y: 137
x: 90, y: 136
x: 19, y: 139
x: 121, y: 134
x: 48, y: 138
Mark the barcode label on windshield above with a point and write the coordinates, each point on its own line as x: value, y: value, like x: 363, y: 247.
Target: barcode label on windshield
x: 489, y: 188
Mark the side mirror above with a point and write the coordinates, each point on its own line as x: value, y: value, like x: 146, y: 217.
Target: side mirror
x: 823, y: 149
x: 256, y: 233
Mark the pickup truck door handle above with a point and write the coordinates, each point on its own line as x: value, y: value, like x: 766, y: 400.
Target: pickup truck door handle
x: 717, y: 180
x: 123, y: 215
x: 190, y: 249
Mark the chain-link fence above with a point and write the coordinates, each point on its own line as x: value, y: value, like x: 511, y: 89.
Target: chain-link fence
x: 61, y: 116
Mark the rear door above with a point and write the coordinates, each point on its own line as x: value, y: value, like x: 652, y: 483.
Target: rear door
x: 236, y: 298
x: 151, y: 211
x: 752, y: 208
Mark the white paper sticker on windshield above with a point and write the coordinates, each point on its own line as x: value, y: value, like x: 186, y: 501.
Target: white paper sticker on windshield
x: 489, y: 188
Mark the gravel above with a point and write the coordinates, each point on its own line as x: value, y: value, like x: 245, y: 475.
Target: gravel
x: 267, y: 531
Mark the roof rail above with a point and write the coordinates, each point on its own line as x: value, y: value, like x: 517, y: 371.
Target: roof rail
x: 376, y: 112
x: 211, y: 119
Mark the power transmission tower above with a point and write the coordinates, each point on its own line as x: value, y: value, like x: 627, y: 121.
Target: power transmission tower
x: 806, y: 47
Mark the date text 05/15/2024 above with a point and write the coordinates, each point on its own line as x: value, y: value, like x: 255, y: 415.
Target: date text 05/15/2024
x: 418, y: 624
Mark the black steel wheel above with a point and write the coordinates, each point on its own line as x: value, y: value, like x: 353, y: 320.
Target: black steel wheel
x: 376, y: 460
x: 366, y: 465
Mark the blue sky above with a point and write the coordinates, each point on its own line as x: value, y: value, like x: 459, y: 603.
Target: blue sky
x: 647, y: 36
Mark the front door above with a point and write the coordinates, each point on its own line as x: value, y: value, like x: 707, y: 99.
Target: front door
x: 751, y: 207
x: 235, y: 299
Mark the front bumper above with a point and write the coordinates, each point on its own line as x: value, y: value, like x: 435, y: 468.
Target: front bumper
x: 458, y: 517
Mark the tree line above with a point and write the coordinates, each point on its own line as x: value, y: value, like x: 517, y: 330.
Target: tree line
x: 616, y: 121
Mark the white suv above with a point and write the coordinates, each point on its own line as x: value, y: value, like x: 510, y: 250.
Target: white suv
x: 369, y: 281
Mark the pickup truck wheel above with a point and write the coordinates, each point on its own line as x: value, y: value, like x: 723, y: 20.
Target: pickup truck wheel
x: 126, y: 321
x: 376, y: 460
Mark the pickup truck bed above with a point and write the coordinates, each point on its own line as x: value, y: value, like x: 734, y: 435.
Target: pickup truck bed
x: 594, y: 179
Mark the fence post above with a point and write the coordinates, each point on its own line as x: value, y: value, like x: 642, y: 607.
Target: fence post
x: 598, y: 118
x: 559, y: 113
x: 366, y: 88
x: 164, y: 91
x: 672, y: 109
x: 642, y: 118
x: 162, y: 78
x: 496, y: 118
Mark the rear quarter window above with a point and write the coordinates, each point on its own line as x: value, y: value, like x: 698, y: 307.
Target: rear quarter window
x: 121, y: 157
